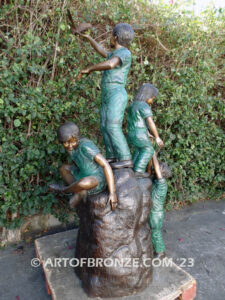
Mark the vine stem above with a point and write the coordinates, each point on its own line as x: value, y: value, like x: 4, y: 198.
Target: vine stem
x: 57, y: 41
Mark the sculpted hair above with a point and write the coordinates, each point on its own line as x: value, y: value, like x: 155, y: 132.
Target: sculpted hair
x: 68, y: 130
x: 165, y: 169
x: 124, y: 33
x: 145, y: 92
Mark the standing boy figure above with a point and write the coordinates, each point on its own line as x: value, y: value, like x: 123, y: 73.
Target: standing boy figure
x: 114, y: 95
x: 90, y: 173
x: 140, y: 121
x: 159, y: 191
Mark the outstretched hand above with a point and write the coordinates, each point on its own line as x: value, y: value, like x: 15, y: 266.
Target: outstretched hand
x: 75, y: 32
x: 113, y: 200
x: 83, y: 72
x: 159, y: 142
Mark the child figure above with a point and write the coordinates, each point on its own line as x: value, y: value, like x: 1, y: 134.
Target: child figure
x: 114, y: 95
x: 139, y: 122
x: 91, y: 172
x: 156, y: 216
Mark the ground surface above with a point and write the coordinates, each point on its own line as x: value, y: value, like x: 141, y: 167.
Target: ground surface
x: 196, y: 232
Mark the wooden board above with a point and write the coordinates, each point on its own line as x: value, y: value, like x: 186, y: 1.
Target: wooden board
x: 169, y: 280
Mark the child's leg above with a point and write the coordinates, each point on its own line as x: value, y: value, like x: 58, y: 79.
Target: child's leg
x: 106, y: 138
x: 144, y: 156
x: 65, y: 172
x: 80, y: 189
x: 76, y: 198
x: 156, y: 216
x: 135, y: 155
x: 155, y: 222
x: 86, y: 183
x: 108, y: 145
x: 119, y: 143
x: 116, y: 105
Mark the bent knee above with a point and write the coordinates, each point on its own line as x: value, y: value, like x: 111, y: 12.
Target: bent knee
x: 89, y: 183
x: 64, y: 168
x: 150, y: 149
x: 150, y: 152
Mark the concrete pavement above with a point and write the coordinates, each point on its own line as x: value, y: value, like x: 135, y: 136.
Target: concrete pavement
x: 193, y: 234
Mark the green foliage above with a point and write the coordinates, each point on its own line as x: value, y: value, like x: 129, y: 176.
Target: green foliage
x: 39, y: 62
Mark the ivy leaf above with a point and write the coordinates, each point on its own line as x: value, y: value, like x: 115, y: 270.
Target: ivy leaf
x: 17, y: 123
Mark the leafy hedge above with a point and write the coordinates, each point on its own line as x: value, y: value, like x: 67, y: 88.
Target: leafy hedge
x: 39, y: 61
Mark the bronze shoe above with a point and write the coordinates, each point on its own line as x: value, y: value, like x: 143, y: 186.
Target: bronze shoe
x: 122, y: 164
x: 111, y: 160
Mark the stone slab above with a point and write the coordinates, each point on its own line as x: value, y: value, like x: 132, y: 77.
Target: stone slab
x: 32, y: 225
x: 169, y: 282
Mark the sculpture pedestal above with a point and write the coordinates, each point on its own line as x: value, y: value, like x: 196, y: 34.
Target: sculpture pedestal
x: 168, y: 283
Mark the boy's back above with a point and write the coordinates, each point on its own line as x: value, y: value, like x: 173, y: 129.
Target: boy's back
x: 138, y: 111
x: 83, y: 156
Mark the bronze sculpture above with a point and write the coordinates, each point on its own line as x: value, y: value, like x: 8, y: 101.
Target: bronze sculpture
x: 156, y: 216
x: 117, y: 232
x: 114, y: 95
x: 140, y: 121
x: 122, y: 229
x: 91, y: 173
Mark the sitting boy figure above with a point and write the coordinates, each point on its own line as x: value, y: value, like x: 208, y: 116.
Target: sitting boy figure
x: 114, y: 95
x: 139, y: 122
x: 159, y: 191
x: 91, y: 171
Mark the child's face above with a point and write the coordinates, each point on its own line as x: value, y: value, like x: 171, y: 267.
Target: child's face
x: 150, y: 100
x: 71, y: 144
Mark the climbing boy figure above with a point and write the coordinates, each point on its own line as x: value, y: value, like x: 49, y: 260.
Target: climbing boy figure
x: 140, y: 121
x: 156, y: 216
x: 91, y: 172
x: 114, y: 95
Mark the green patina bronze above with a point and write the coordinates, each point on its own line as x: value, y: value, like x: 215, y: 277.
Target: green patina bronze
x: 138, y: 111
x: 156, y: 216
x: 114, y: 102
x: 85, y: 165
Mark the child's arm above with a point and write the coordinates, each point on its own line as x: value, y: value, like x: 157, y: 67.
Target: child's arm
x: 153, y: 129
x: 109, y: 178
x: 98, y: 48
x: 106, y: 65
x: 157, y: 167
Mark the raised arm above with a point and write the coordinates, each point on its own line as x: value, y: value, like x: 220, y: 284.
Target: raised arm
x: 98, y: 48
x: 109, y: 178
x: 83, y: 27
x: 105, y: 65
x: 154, y: 131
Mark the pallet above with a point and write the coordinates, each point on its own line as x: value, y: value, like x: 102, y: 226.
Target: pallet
x: 169, y: 282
